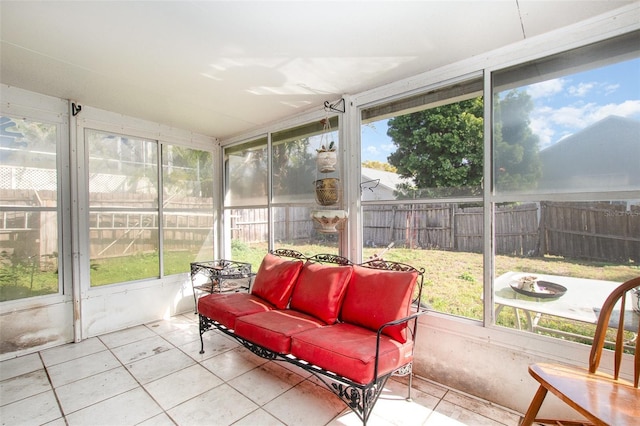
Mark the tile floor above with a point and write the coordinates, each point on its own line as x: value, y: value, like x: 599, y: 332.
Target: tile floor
x: 153, y: 374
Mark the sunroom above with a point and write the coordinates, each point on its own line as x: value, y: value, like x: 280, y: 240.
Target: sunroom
x: 484, y: 141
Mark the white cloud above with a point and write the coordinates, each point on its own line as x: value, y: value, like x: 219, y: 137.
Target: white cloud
x: 373, y: 150
x: 625, y: 109
x: 581, y: 90
x: 610, y: 88
x: 546, y: 88
x: 554, y: 124
x: 540, y: 127
x: 388, y: 147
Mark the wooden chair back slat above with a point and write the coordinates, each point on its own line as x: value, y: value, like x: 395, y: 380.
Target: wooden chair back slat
x: 618, y: 295
x: 619, y: 349
x: 636, y: 364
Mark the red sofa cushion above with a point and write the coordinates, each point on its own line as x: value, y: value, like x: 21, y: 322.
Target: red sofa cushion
x: 375, y: 297
x: 275, y: 279
x: 273, y: 329
x: 349, y: 351
x: 320, y: 290
x: 226, y: 308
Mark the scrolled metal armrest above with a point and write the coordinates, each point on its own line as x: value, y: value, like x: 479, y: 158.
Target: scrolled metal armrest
x: 415, y: 315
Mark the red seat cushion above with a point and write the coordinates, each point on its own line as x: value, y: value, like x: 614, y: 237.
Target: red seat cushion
x: 349, y: 351
x: 320, y: 290
x: 275, y: 279
x: 226, y: 308
x: 273, y: 329
x: 375, y: 297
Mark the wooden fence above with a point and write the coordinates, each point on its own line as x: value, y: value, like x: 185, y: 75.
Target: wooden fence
x: 597, y: 231
x: 593, y: 231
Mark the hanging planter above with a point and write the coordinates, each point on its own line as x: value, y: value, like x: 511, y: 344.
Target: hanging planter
x: 329, y: 221
x: 327, y: 158
x: 327, y: 191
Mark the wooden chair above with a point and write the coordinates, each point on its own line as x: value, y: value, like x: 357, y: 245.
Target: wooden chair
x: 601, y: 398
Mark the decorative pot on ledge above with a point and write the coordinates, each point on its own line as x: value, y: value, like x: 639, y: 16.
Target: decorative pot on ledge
x: 327, y: 221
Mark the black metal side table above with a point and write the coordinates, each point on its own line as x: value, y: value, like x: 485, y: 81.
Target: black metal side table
x: 222, y: 276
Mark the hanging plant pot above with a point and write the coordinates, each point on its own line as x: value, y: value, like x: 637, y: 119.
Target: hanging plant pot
x: 328, y: 221
x: 327, y: 191
x: 326, y: 161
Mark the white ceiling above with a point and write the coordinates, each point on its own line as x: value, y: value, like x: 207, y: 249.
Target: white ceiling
x: 221, y: 68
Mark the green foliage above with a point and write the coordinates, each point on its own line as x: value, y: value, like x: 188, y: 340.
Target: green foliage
x: 467, y: 276
x: 187, y: 171
x: 517, y: 164
x: 293, y: 168
x: 25, y: 277
x: 441, y: 147
x: 238, y: 246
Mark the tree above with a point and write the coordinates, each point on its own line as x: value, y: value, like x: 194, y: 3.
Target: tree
x: 293, y: 168
x: 441, y: 148
x: 517, y: 164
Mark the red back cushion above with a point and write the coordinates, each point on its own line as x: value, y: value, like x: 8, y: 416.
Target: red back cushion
x: 275, y: 280
x: 320, y: 289
x: 375, y: 297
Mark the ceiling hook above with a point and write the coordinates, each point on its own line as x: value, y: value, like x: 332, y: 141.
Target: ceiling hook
x: 337, y: 106
x: 75, y: 109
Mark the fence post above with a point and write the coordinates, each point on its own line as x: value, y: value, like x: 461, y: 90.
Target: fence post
x: 453, y: 208
x: 542, y: 232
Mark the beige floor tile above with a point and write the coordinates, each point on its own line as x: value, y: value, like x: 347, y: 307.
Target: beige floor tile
x: 425, y: 386
x: 141, y: 349
x: 182, y: 385
x: 24, y: 386
x: 394, y: 408
x: 306, y: 404
x: 91, y: 390
x: 233, y: 363
x: 418, y: 396
x: 266, y: 382
x: 214, y: 344
x: 160, y: 420
x: 35, y: 410
x: 79, y: 368
x: 219, y: 406
x: 349, y: 418
x: 126, y: 336
x: 57, y: 422
x: 460, y: 414
x: 18, y: 366
x: 71, y: 351
x: 128, y: 408
x: 154, y: 367
x: 182, y: 337
x: 482, y: 407
x: 260, y: 418
x: 179, y: 323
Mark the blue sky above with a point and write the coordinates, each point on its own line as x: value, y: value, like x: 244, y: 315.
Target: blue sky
x: 563, y: 106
